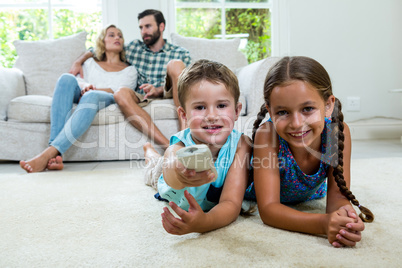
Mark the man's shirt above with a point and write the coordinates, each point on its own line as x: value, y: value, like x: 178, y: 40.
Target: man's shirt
x: 151, y: 66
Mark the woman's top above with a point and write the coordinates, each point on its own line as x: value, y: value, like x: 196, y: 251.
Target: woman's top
x: 94, y: 74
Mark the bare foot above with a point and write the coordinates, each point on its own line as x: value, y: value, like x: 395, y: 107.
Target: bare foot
x: 39, y: 162
x: 150, y: 152
x: 36, y: 164
x: 55, y: 163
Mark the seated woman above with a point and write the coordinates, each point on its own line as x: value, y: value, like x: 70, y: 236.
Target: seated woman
x: 102, y: 77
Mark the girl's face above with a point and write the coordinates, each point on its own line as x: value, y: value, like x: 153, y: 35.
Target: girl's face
x: 114, y: 40
x: 298, y: 113
x: 210, y: 112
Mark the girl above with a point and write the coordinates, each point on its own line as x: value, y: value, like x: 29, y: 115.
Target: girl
x: 103, y: 77
x: 304, y: 142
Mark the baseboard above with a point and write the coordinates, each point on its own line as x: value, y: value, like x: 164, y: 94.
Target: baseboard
x: 376, y: 128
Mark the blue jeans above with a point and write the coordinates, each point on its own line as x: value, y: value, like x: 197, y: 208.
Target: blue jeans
x: 66, y: 127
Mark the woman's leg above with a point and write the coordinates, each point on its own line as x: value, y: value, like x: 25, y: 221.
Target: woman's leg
x: 75, y: 126
x: 79, y: 122
x: 65, y: 94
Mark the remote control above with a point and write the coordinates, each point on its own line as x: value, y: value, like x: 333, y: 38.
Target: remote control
x: 197, y: 157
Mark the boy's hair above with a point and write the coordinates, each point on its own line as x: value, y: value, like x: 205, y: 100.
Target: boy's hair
x: 100, y: 50
x: 211, y: 71
x: 290, y: 69
x: 159, y: 18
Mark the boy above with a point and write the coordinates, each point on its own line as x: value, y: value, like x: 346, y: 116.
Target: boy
x: 208, y: 94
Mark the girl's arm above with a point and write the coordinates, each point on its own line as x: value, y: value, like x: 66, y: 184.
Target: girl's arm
x: 335, y: 199
x: 229, y: 206
x: 177, y: 176
x: 337, y: 203
x: 267, y: 187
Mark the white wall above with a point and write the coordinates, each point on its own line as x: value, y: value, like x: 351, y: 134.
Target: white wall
x: 359, y: 42
x: 124, y: 14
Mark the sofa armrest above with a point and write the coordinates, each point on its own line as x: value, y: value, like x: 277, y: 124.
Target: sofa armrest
x: 251, y: 81
x: 12, y: 85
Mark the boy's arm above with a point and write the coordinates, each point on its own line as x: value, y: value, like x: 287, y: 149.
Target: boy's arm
x: 228, y: 208
x: 76, y: 68
x: 177, y: 176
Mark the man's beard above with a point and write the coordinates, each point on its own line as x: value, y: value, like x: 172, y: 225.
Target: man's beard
x: 154, y: 38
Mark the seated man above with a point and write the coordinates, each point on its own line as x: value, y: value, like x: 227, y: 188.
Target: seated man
x: 159, y: 65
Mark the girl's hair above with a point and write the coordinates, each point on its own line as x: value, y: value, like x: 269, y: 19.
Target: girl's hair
x: 210, y: 71
x: 286, y: 71
x: 100, y: 51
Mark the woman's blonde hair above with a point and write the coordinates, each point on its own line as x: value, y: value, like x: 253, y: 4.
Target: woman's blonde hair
x: 100, y: 51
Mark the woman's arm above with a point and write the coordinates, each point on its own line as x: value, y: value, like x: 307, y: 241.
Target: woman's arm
x: 76, y: 68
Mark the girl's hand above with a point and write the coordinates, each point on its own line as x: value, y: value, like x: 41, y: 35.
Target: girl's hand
x: 190, y: 178
x: 190, y: 221
x: 352, y: 234
x: 87, y: 88
x: 344, y: 227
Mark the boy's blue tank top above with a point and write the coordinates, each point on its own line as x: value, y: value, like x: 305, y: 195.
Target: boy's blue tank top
x: 296, y: 186
x: 207, y: 195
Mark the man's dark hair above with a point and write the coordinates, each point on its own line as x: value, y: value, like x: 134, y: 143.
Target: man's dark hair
x: 156, y: 13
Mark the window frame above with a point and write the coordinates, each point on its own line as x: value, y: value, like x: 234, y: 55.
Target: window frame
x: 49, y: 6
x: 222, y: 5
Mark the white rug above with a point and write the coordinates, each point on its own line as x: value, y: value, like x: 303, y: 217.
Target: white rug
x: 109, y: 218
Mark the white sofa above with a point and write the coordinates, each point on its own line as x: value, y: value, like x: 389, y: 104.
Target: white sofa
x: 26, y: 90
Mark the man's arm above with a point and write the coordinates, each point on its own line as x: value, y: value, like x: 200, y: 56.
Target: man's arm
x: 76, y: 68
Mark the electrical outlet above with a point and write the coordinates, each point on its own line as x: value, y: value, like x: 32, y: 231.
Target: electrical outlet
x: 353, y: 104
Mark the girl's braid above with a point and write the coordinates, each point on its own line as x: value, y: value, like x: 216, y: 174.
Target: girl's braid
x: 260, y: 116
x: 338, y: 139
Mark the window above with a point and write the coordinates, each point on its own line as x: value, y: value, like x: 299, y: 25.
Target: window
x: 248, y: 19
x: 45, y: 19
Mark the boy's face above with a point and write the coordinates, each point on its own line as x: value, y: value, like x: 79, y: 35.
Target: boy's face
x: 210, y: 113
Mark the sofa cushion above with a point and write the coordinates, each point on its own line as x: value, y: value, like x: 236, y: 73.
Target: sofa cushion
x: 251, y: 82
x: 42, y: 62
x: 36, y: 109
x: 30, y: 109
x: 220, y: 50
x: 11, y: 86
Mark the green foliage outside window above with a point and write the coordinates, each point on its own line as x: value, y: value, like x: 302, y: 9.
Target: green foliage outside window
x: 206, y: 23
x: 32, y: 25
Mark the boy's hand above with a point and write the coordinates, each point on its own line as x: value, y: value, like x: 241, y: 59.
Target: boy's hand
x: 191, y: 221
x: 344, y: 227
x: 190, y: 178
